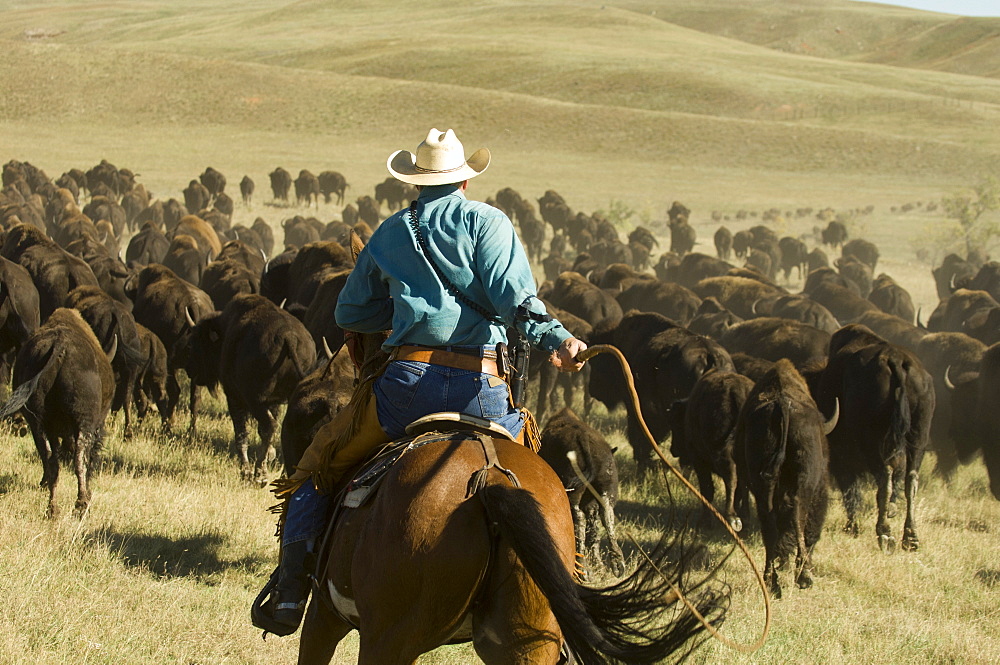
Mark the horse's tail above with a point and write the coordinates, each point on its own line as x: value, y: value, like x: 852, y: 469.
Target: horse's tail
x: 619, y: 623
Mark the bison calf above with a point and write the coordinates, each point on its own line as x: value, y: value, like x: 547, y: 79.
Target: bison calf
x: 566, y: 438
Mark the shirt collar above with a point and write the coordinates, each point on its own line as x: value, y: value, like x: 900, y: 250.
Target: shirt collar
x: 434, y: 192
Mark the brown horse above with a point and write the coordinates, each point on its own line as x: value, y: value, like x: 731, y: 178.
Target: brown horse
x: 426, y: 563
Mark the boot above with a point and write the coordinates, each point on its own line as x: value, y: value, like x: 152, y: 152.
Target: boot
x: 279, y: 606
x: 292, y: 589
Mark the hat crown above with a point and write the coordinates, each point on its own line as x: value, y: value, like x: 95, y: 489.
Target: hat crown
x: 440, y: 151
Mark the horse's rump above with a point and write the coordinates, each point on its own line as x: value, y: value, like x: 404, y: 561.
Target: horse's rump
x: 426, y: 524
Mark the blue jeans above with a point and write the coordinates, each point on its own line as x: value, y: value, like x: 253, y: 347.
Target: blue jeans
x: 405, y: 392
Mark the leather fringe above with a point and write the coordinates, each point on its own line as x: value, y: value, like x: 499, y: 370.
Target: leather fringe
x: 359, y: 403
x: 283, y: 489
x: 532, y: 438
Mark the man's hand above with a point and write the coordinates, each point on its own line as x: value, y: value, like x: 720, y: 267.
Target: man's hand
x: 564, y: 358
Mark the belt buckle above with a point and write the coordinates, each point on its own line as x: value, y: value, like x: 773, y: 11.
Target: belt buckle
x: 502, y: 363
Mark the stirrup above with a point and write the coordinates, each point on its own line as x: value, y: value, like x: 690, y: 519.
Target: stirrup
x: 262, y: 610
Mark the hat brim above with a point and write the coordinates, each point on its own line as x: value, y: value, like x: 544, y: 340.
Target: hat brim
x: 402, y: 166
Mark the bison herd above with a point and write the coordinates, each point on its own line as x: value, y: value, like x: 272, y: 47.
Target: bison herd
x: 112, y: 299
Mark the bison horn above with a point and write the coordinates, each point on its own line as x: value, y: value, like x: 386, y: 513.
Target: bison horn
x: 188, y: 317
x: 753, y: 307
x: 282, y: 305
x: 951, y: 283
x: 947, y: 378
x: 920, y: 323
x: 832, y: 422
x: 326, y: 348
x: 114, y: 348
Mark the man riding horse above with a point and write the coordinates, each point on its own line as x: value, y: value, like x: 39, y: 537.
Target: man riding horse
x: 448, y: 277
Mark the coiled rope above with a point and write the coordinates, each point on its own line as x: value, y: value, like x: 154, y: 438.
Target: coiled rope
x: 597, y: 349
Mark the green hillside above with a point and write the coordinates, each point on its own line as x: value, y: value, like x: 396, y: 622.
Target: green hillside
x: 563, y: 92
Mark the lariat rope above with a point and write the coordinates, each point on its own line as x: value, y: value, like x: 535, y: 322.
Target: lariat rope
x: 597, y: 349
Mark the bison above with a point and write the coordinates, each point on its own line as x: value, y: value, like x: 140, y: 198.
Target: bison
x: 585, y: 464
x: 259, y: 353
x: 886, y: 402
x: 783, y: 453
x: 63, y: 386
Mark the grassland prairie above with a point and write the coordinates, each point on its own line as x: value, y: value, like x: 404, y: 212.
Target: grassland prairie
x: 619, y: 106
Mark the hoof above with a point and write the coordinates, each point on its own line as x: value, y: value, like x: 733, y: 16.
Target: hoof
x: 891, y: 511
x: 911, y: 543
x: 805, y: 580
x: 851, y: 529
x: 737, y: 524
x: 887, y: 544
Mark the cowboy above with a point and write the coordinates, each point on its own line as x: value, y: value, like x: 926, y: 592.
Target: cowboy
x: 447, y: 276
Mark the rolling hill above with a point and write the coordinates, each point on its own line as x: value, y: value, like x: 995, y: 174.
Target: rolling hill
x: 616, y: 100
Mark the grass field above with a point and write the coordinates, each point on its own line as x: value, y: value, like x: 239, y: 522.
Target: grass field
x: 720, y: 105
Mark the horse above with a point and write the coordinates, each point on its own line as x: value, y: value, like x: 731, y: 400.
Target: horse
x: 470, y: 537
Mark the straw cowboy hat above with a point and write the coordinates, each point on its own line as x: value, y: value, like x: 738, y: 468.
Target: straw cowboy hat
x: 440, y: 160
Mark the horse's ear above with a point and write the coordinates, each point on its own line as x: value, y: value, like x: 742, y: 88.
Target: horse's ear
x: 357, y: 244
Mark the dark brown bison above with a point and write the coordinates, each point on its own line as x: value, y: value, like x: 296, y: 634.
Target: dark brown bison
x: 585, y: 464
x: 863, y: 250
x: 886, y: 403
x: 281, y: 184
x: 666, y: 361
x: 723, y: 243
x: 671, y: 300
x: 682, y: 236
x: 313, y: 403
x: 835, y: 234
x: 332, y: 183
x: 575, y: 294
x: 246, y: 190
x: 772, y: 338
x: 951, y: 358
x: 368, y: 211
x: 152, y: 378
x: 147, y: 246
x: 737, y: 294
x: 213, y: 181
x: 703, y: 429
x: 783, y: 454
x: 63, y: 386
x: 892, y: 329
x: 794, y: 256
x: 196, y: 196
x: 395, y: 194
x: 798, y: 307
x: 976, y: 418
x: 892, y: 298
x: 259, y: 353
x: 54, y: 271
x: 169, y: 306
x: 114, y: 327
x: 307, y: 188
x: 954, y: 270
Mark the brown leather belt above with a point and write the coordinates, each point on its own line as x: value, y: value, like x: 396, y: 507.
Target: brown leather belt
x: 423, y: 354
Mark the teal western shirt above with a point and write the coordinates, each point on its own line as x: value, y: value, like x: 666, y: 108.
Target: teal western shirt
x: 475, y: 246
